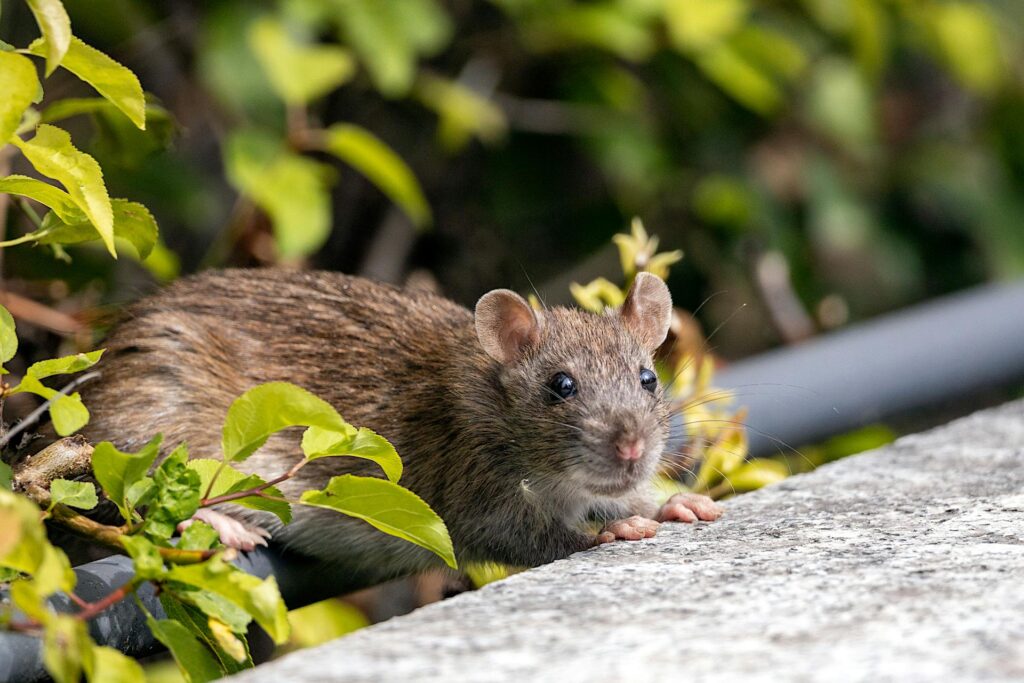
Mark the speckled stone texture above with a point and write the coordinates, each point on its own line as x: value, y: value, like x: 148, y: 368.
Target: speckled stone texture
x: 902, y: 564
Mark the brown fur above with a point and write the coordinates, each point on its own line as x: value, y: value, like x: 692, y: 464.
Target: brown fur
x: 514, y: 475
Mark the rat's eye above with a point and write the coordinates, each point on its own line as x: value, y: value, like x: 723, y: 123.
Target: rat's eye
x: 648, y: 380
x: 561, y: 387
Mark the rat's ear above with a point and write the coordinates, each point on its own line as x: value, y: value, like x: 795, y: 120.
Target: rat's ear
x: 506, y: 325
x: 647, y: 311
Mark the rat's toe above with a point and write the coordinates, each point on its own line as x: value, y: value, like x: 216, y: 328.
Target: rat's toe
x: 690, y: 507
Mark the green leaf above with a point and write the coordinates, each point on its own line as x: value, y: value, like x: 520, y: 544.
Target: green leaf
x: 322, y: 443
x: 59, y: 201
x: 108, y: 665
x: 260, y: 598
x: 756, y: 473
x: 66, y: 645
x: 132, y: 222
x: 64, y: 365
x: 53, y: 155
x: 269, y: 408
x: 117, y: 472
x: 68, y: 414
x: 176, y: 495
x: 967, y: 37
x: 231, y: 480
x: 364, y: 152
x: 198, y: 536
x: 110, y: 79
x: 695, y: 25
x: 8, y: 336
x: 463, y: 113
x: 388, y: 507
x: 290, y: 188
x: 194, y: 659
x: 25, y: 548
x: 20, y: 87
x: 298, y: 72
x: 146, y: 557
x: 56, y: 27
x: 179, y: 603
x: 5, y: 476
x: 76, y: 494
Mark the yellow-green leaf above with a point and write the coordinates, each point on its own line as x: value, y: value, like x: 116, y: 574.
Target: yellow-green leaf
x: 388, y: 507
x: 20, y: 86
x: 194, y: 660
x: 321, y: 443
x: 56, y: 199
x: 68, y: 414
x: 260, y: 598
x: 968, y: 39
x: 108, y: 665
x: 115, y: 82
x: 53, y: 155
x: 66, y: 646
x: 756, y: 473
x: 64, y: 365
x: 269, y: 408
x: 364, y: 152
x: 290, y: 188
x: 117, y: 471
x: 56, y: 27
x: 8, y: 336
x: 298, y: 72
x: 132, y: 222
x: 77, y: 494
x: 695, y: 25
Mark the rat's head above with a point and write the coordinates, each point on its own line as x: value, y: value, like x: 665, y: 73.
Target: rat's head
x: 584, y: 403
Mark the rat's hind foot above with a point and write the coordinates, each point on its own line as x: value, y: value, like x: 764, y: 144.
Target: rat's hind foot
x: 630, y: 529
x: 233, y: 534
x: 689, y: 507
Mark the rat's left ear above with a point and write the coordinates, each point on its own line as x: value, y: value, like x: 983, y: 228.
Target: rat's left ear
x: 647, y: 311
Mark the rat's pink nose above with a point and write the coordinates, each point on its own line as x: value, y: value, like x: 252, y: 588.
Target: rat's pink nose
x: 630, y: 450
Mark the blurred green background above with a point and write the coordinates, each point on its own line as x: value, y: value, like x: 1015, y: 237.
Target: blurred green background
x: 821, y: 161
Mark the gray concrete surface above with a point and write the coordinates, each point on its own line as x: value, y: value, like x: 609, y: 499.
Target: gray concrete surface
x: 902, y: 564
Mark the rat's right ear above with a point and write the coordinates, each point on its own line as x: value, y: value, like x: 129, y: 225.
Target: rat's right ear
x: 506, y: 325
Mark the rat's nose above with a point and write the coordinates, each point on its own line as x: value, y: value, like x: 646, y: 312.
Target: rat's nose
x: 629, y: 449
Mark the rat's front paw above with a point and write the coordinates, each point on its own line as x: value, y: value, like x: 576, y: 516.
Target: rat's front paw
x: 689, y: 507
x: 233, y: 534
x: 630, y: 529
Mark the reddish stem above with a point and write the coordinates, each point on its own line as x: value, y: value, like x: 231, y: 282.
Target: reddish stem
x: 256, y: 490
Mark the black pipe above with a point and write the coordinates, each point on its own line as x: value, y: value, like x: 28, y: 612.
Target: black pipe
x: 908, y: 360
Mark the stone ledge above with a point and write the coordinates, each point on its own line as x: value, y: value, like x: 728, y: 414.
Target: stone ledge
x: 903, y: 564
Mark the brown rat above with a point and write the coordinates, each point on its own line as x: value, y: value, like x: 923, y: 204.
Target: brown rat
x: 518, y: 427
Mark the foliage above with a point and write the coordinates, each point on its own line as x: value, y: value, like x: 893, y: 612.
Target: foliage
x: 209, y: 602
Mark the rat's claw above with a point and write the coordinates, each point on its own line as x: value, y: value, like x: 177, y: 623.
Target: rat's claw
x: 233, y: 533
x: 630, y: 529
x: 690, y: 507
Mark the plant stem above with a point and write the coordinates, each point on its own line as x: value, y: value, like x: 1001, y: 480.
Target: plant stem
x: 30, y: 237
x: 255, y: 491
x: 31, y: 213
x: 34, y: 416
x: 92, y: 609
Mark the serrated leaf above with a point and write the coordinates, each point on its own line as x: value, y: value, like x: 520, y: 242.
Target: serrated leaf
x: 180, y: 604
x: 76, y: 494
x: 56, y: 199
x: 364, y: 152
x: 260, y: 598
x: 20, y: 86
x: 132, y: 222
x: 298, y: 72
x: 227, y: 640
x: 194, y: 659
x: 231, y: 480
x: 115, y: 82
x: 117, y: 472
x: 175, y: 496
x: 198, y: 536
x: 290, y: 188
x: 388, y: 507
x: 108, y: 665
x: 53, y: 155
x: 55, y: 25
x: 269, y: 408
x: 8, y: 336
x: 145, y: 556
x: 322, y: 443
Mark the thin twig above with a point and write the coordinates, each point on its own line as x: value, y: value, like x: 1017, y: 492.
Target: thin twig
x: 254, y: 491
x: 34, y: 416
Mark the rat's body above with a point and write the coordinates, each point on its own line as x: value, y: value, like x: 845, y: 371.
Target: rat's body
x: 465, y: 404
